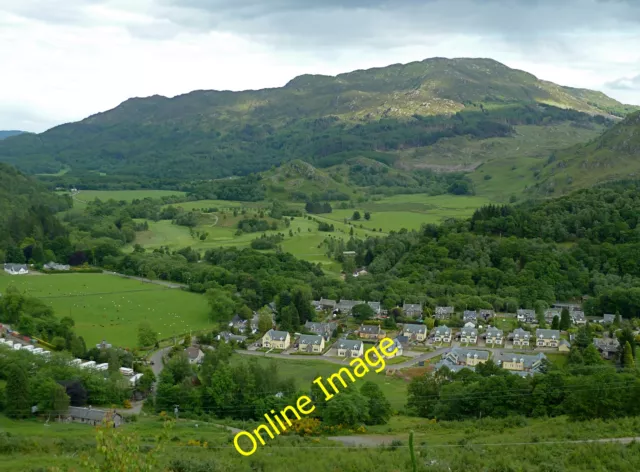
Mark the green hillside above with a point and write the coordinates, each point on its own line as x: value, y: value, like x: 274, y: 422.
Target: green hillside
x: 615, y: 155
x: 160, y: 142
x: 7, y: 133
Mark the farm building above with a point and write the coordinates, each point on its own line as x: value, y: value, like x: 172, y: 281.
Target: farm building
x: 91, y: 416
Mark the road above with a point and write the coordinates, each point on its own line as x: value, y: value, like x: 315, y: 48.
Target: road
x: 164, y: 283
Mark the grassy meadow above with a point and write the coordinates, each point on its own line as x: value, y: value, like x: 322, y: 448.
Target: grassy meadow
x: 81, y: 198
x: 110, y: 307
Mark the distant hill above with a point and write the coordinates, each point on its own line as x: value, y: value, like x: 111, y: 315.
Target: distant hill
x: 322, y: 120
x: 615, y: 155
x: 6, y: 134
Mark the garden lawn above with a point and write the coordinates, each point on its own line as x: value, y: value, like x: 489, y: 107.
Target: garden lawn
x: 111, y: 307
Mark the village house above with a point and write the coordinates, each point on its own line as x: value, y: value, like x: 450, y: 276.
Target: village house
x: 547, y: 337
x: 345, y: 306
x: 276, y: 339
x: 442, y: 334
x: 467, y: 357
x: 415, y: 332
x: 16, y: 269
x: 494, y: 336
x: 520, y: 337
x: 194, y: 355
x: 397, y: 346
x: 412, y: 309
x: 349, y: 348
x: 326, y: 304
x: 444, y: 312
x: 578, y: 318
x: 564, y: 346
x: 103, y: 345
x: 550, y: 314
x: 608, y: 318
x: 526, y: 316
x: 226, y: 336
x: 470, y: 315
x: 371, y: 332
x: 91, y: 416
x: 55, y: 266
x: 486, y: 314
x: 312, y: 343
x: 323, y: 329
x: 376, y: 307
x: 469, y: 335
x: 520, y: 362
x: 568, y: 306
x: 469, y: 324
x: 238, y: 323
x: 608, y: 347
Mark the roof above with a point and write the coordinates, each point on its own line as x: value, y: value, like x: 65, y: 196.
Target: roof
x: 521, y: 333
x: 316, y: 327
x: 15, y: 266
x: 528, y: 360
x: 526, y: 312
x: 412, y: 307
x: 227, y: 336
x: 606, y: 344
x: 547, y: 333
x: 348, y: 344
x: 609, y: 318
x: 348, y: 304
x: 452, y: 367
x: 277, y: 335
x: 564, y: 342
x: 487, y: 312
x: 469, y: 332
x: 327, y: 302
x: 442, y: 329
x: 470, y: 313
x: 374, y: 305
x: 465, y: 353
x: 310, y: 339
x: 370, y: 329
x: 193, y: 352
x: 87, y: 413
x: 444, y: 309
x: 494, y: 332
x: 414, y: 328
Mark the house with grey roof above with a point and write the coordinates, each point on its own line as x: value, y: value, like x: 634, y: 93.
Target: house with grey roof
x: 397, y: 346
x: 547, y: 337
x: 311, y: 343
x: 526, y: 316
x: 371, y: 332
x: 345, y: 306
x: 16, y: 269
x: 607, y: 347
x: 194, y: 354
x: 568, y: 306
x: 326, y: 304
x: 608, y: 318
x: 520, y: 362
x: 470, y: 315
x: 412, y: 309
x: 91, y: 416
x: 494, y: 336
x: 468, y: 357
x: 444, y: 312
x: 323, y: 329
x: 520, y: 337
x: 550, y: 314
x: 376, y: 307
x: 469, y: 335
x: 276, y: 339
x: 349, y: 348
x: 564, y: 345
x: 486, y: 314
x: 227, y: 337
x: 578, y: 318
x: 415, y: 332
x: 55, y: 266
x: 442, y: 334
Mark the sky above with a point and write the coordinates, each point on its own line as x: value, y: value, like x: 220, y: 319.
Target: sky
x: 63, y: 60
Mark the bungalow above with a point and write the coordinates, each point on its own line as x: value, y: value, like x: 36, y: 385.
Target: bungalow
x: 348, y: 348
x: 55, y: 266
x: 415, y: 332
x: 520, y: 337
x: 442, y: 334
x: 194, y: 355
x: 91, y: 416
x: 371, y: 332
x: 494, y: 336
x: 486, y: 314
x: 375, y: 306
x: 276, y: 339
x: 526, y: 316
x: 467, y: 357
x: 578, y: 318
x: 226, y: 337
x: 412, y: 309
x: 323, y: 329
x: 547, y: 337
x: 469, y: 335
x: 469, y: 315
x: 326, y: 304
x: 608, y: 347
x: 345, y: 306
x: 444, y: 312
x: 311, y: 343
x: 16, y: 269
x: 520, y: 362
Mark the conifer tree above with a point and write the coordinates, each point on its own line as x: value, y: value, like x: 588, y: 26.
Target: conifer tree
x: 627, y: 356
x: 17, y: 392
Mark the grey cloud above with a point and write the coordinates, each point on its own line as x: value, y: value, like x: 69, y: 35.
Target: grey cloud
x: 50, y: 11
x: 625, y: 83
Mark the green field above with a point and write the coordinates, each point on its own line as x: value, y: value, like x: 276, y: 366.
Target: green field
x: 81, y: 198
x: 110, y: 307
x: 306, y: 370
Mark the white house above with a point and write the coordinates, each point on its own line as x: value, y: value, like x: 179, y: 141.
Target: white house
x: 16, y: 269
x: 194, y: 354
x: 442, y: 334
x: 521, y: 337
x: 547, y: 337
x: 349, y: 348
x: 469, y: 335
x: 494, y: 336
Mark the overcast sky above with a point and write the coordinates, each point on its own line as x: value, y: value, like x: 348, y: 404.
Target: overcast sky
x: 63, y: 60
